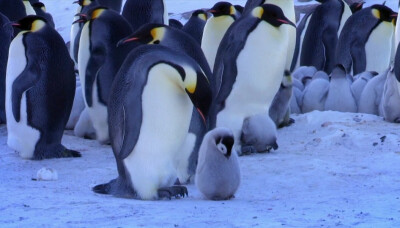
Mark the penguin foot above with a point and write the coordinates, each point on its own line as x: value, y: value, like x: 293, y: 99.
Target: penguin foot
x: 102, y: 188
x: 287, y: 124
x: 70, y: 153
x: 247, y: 150
x: 173, y: 191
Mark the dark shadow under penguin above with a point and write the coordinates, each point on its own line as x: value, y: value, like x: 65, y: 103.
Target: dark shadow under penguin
x: 365, y: 32
x: 146, y: 141
x: 179, y: 41
x: 139, y: 12
x: 6, y: 34
x: 40, y: 91
x: 195, y: 25
x: 99, y: 60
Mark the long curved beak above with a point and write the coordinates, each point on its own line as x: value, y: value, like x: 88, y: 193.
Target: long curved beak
x: 287, y: 22
x: 126, y: 40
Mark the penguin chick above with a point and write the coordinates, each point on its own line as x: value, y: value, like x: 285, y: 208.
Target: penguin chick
x: 218, y: 171
x: 258, y: 134
x: 390, y: 102
x: 280, y: 108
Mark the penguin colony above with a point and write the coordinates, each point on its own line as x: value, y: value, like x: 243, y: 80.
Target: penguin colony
x: 179, y: 103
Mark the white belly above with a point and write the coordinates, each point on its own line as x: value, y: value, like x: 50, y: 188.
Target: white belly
x: 303, y: 33
x: 260, y: 70
x: 28, y: 8
x: 73, y: 33
x: 99, y: 116
x: 397, y: 33
x: 166, y: 117
x: 346, y: 14
x: 378, y: 48
x: 83, y: 56
x: 21, y: 137
x: 214, y: 31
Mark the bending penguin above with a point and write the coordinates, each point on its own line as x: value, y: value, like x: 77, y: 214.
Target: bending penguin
x: 40, y: 87
x: 99, y: 60
x: 218, y: 172
x: 252, y: 55
x: 146, y: 149
x: 178, y: 40
x: 366, y: 31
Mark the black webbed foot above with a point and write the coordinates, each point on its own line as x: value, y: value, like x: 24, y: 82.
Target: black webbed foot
x: 70, y: 153
x: 173, y: 191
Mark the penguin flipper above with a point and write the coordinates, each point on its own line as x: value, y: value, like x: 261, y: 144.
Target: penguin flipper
x: 329, y: 40
x: 22, y: 83
x: 359, y: 58
x: 95, y: 62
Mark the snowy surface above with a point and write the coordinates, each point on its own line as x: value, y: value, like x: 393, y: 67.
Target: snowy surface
x: 331, y: 169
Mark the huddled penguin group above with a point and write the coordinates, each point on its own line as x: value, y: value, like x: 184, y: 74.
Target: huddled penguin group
x: 179, y: 102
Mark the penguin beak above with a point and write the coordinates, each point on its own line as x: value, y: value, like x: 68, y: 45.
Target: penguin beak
x: 76, y: 2
x: 394, y: 15
x: 124, y: 41
x: 211, y: 11
x: 80, y: 15
x: 15, y: 24
x: 287, y: 22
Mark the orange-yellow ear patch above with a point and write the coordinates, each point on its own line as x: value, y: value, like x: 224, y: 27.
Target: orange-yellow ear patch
x: 97, y: 13
x: 258, y: 12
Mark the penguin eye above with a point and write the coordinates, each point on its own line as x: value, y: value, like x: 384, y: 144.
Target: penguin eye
x: 156, y: 42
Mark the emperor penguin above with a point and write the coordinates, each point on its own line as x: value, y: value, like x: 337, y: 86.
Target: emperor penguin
x: 146, y: 149
x: 111, y: 4
x: 99, y: 60
x: 175, y: 23
x: 315, y: 94
x: 356, y: 6
x: 218, y: 173
x: 6, y: 34
x: 300, y: 32
x: 365, y: 43
x: 178, y: 40
x: 139, y: 12
x: 280, y: 107
x: 251, y: 58
x: 13, y: 10
x: 287, y: 7
x: 40, y: 86
x: 40, y: 10
x: 340, y: 98
x: 304, y: 71
x: 223, y: 16
x: 371, y: 95
x: 321, y: 37
x: 360, y: 81
x: 77, y: 108
x: 258, y: 134
x: 195, y: 25
x: 390, y: 102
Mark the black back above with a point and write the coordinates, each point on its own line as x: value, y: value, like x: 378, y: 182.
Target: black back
x: 175, y: 23
x: 139, y: 12
x: 6, y: 34
x: 320, y: 39
x: 195, y: 26
x: 111, y: 4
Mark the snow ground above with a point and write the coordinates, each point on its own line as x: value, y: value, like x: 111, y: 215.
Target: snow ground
x: 331, y: 169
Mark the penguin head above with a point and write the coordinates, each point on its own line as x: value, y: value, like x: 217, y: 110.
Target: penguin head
x: 200, y: 14
x: 39, y: 6
x: 84, y: 2
x: 357, y: 6
x: 383, y: 13
x: 224, y: 144
x: 271, y: 14
x: 147, y: 34
x: 223, y: 9
x: 31, y: 23
x: 198, y: 89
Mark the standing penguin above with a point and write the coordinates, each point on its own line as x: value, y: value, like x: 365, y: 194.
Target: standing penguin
x: 40, y: 10
x: 249, y: 67
x: 111, y: 4
x: 218, y: 172
x: 195, y: 25
x: 6, y: 34
x: 13, y: 10
x: 340, y: 98
x: 365, y: 43
x: 224, y: 14
x: 356, y: 6
x: 321, y: 37
x: 179, y: 41
x: 146, y: 149
x: 99, y: 60
x: 280, y: 107
x: 139, y: 12
x: 40, y: 88
x: 390, y: 102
